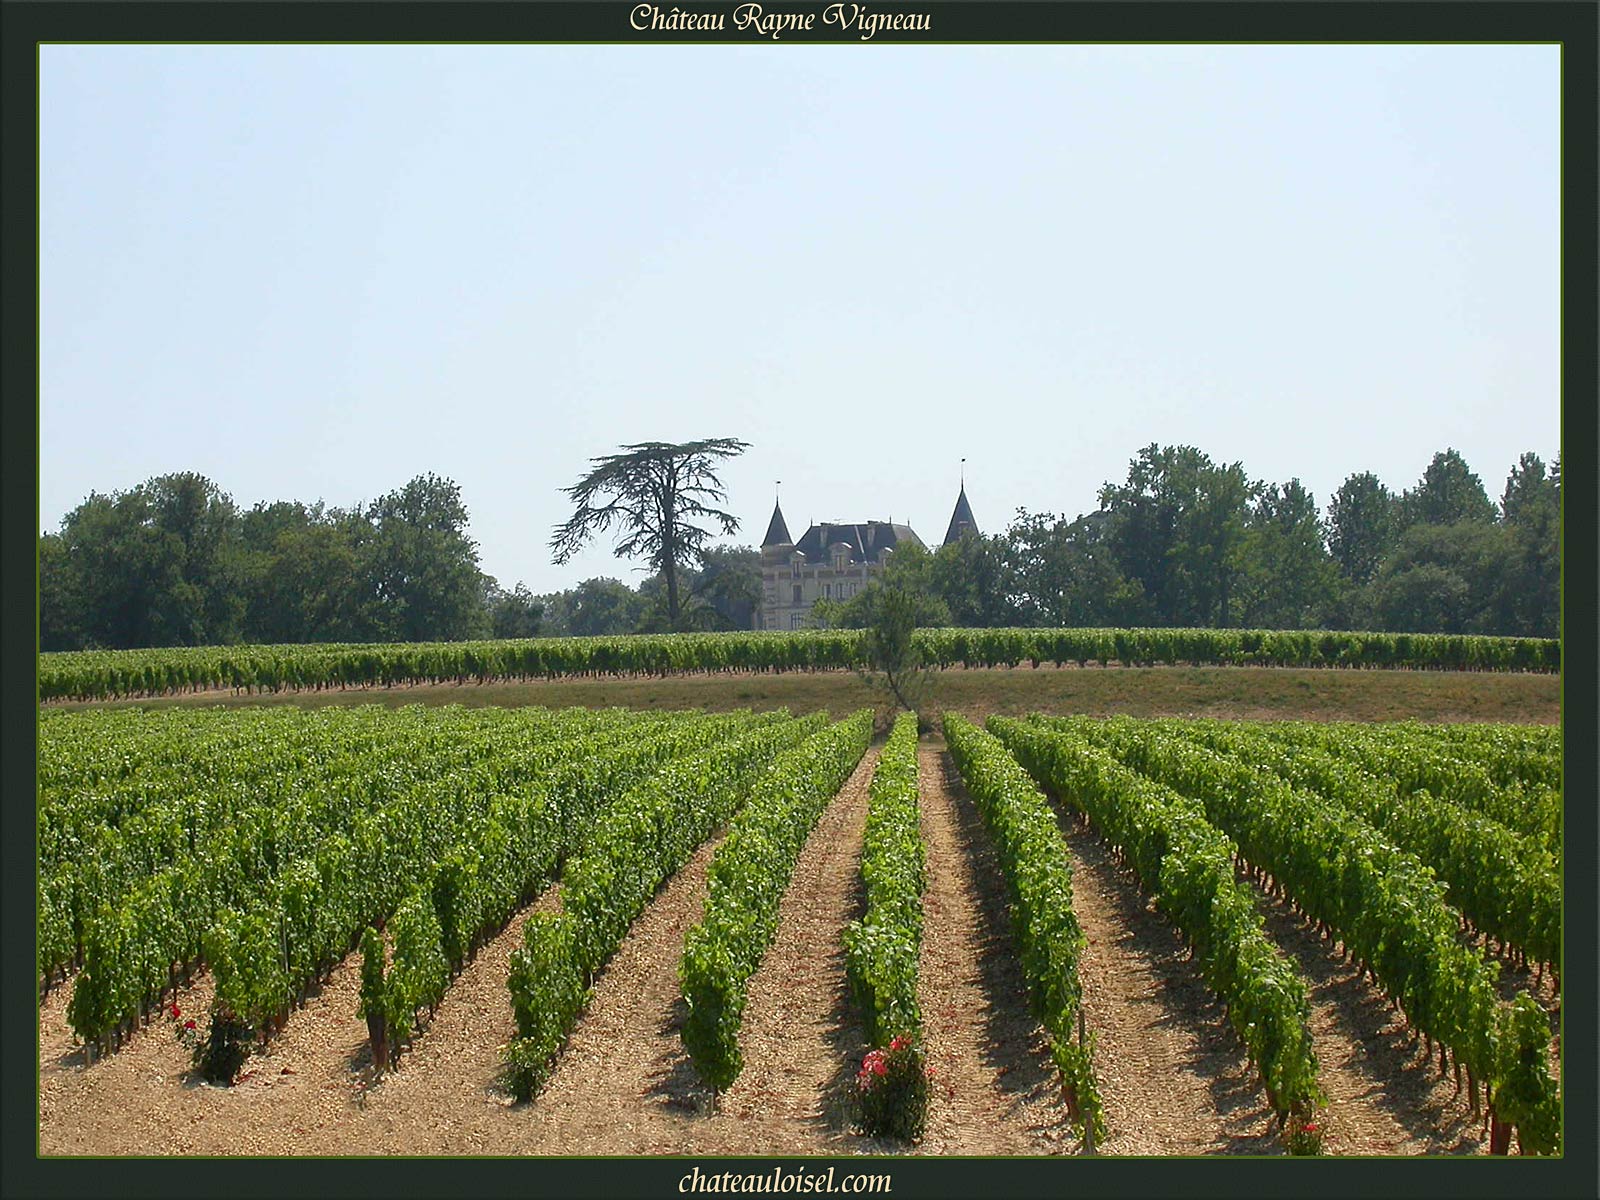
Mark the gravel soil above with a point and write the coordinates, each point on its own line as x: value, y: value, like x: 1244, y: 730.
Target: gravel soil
x: 1173, y: 1076
x: 1171, y: 1073
x: 1384, y: 1097
x: 995, y: 1088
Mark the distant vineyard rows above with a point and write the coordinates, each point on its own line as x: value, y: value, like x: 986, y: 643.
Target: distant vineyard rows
x: 110, y: 674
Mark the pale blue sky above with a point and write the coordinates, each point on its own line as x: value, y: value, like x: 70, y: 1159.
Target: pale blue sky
x: 314, y: 272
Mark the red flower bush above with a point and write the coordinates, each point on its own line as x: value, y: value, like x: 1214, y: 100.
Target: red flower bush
x: 1304, y: 1136
x: 891, y: 1092
x: 220, y: 1052
x: 186, y: 1033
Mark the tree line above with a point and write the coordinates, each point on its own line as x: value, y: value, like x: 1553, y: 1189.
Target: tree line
x: 1185, y: 541
x: 175, y: 562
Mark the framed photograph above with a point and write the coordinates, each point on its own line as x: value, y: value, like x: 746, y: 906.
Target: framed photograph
x: 631, y: 598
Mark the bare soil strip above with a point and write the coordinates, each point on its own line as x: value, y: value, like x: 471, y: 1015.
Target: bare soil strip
x: 311, y: 1092
x: 802, y: 1038
x: 444, y: 1099
x: 1173, y: 1076
x: 1384, y: 1096
x: 147, y: 1099
x: 121, y: 1104
x: 995, y: 1089
x: 1250, y: 692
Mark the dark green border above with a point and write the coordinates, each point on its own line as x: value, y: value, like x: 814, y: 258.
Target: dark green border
x: 1571, y: 23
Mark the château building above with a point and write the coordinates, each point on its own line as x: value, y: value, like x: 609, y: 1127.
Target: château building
x: 832, y: 561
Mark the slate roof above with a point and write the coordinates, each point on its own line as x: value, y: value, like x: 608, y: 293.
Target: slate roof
x: 866, y: 539
x: 961, y: 520
x: 777, y: 530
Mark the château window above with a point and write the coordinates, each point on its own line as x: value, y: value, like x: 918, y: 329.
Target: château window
x: 797, y: 596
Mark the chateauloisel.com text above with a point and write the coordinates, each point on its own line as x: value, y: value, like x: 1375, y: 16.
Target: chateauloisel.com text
x: 783, y: 1180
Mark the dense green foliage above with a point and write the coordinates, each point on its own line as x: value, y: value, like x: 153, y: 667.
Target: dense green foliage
x: 1187, y: 863
x: 270, y: 886
x: 1380, y: 901
x: 1038, y: 876
x: 281, y: 886
x: 174, y: 562
x: 883, y: 948
x: 419, y: 973
x: 1505, y: 884
x: 639, y: 841
x: 1189, y: 542
x: 746, y: 882
x: 1468, y: 776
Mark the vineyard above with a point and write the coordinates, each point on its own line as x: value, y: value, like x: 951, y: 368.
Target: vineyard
x: 110, y: 674
x: 452, y: 931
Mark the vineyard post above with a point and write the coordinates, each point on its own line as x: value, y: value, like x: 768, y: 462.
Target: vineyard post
x: 1088, y: 1123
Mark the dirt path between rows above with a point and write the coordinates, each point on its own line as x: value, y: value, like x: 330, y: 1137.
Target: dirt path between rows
x: 625, y: 1085
x: 147, y: 1099
x: 802, y: 1037
x: 444, y: 1099
x: 123, y: 1104
x: 995, y: 1087
x: 1383, y: 1097
x: 1173, y: 1076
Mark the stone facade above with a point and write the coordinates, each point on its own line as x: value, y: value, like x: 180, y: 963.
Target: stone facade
x: 830, y: 562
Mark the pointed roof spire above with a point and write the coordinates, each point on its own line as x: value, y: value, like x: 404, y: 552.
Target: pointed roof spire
x: 961, y: 520
x: 777, y: 530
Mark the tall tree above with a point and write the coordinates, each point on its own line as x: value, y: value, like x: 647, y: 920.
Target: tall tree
x: 317, y: 588
x: 1362, y: 526
x: 1062, y: 573
x: 729, y: 586
x: 1210, y: 550
x: 1447, y: 493
x: 654, y: 492
x: 152, y: 566
x: 302, y: 574
x: 1531, y: 508
x: 1530, y: 490
x: 1291, y: 579
x: 1177, y: 529
x: 60, y: 612
x: 514, y: 614
x: 422, y: 566
x: 1454, y: 578
x: 602, y: 607
x: 970, y: 576
x: 1145, y: 514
